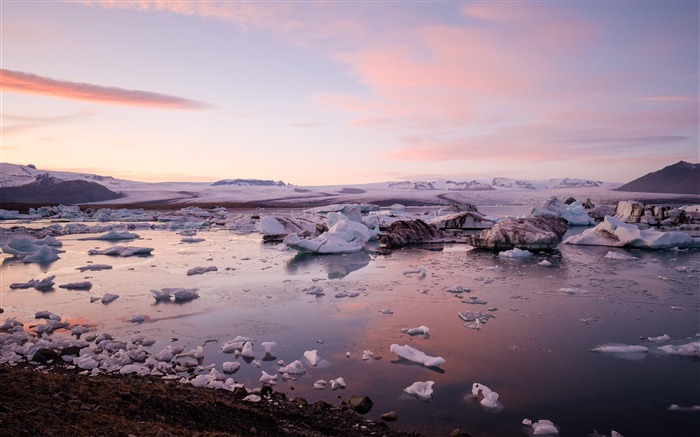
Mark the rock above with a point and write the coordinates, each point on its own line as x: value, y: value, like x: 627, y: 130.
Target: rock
x: 361, y: 403
x: 405, y: 232
x: 629, y: 211
x: 459, y: 433
x: 530, y: 233
x: 322, y: 405
x: 391, y: 416
x: 43, y: 355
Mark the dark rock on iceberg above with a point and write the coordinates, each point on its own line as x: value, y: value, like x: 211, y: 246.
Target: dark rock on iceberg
x: 531, y: 233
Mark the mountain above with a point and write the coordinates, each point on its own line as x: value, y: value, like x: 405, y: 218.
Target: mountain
x: 249, y: 183
x: 679, y: 178
x: 47, y: 189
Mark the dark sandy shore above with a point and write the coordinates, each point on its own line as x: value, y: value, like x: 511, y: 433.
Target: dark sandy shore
x: 60, y: 402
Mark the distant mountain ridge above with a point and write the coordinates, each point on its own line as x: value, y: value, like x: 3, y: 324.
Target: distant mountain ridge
x: 249, y: 183
x: 679, y: 178
x: 47, y: 189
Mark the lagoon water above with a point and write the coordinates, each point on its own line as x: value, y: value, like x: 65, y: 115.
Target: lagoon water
x: 535, y: 352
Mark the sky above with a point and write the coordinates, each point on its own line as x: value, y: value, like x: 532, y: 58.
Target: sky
x: 339, y: 92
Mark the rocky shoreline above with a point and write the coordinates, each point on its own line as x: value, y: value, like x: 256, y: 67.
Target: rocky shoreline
x: 41, y: 401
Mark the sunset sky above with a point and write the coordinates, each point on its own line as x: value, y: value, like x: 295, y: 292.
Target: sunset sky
x: 319, y: 93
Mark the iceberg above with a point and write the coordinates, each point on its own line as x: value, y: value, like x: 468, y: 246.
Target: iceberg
x: 515, y: 254
x: 541, y: 427
x: 615, y: 233
x: 691, y: 349
x: 530, y: 233
x: 619, y: 256
x: 43, y: 255
x: 115, y: 236
x: 614, y: 348
x: 123, y: 251
x: 312, y: 357
x: 416, y: 356
x: 421, y: 390
x: 343, y: 236
x: 293, y: 368
x: 21, y: 247
x: 489, y: 397
x: 82, y: 285
x: 109, y: 297
x: 462, y: 220
x: 276, y: 228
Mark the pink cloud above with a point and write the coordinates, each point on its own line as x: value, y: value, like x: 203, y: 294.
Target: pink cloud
x: 669, y: 99
x: 27, y: 83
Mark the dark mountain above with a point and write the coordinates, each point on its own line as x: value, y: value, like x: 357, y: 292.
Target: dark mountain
x: 50, y: 190
x: 679, y: 178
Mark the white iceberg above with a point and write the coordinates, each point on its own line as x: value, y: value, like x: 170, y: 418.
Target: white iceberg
x: 343, y: 236
x: 416, y: 356
x: 619, y: 256
x: 293, y: 368
x: 115, y: 236
x: 266, y: 378
x: 82, y: 285
x: 421, y: 390
x: 123, y: 251
x: 43, y: 255
x: 421, y: 330
x: 542, y: 427
x: 312, y: 357
x: 691, y: 349
x: 231, y: 366
x: 615, y: 348
x: 615, y: 233
x: 337, y: 383
x: 490, y: 397
x: 515, y: 253
x: 320, y: 384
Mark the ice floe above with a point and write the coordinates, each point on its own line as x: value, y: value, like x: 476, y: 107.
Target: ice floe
x: 421, y: 330
x: 408, y: 353
x: 178, y: 293
x: 691, y: 349
x: 343, y: 236
x: 619, y: 256
x: 462, y: 220
x: 616, y: 348
x: 201, y: 270
x: 422, y: 390
x: 337, y: 383
x: 42, y: 285
x: 45, y: 254
x: 515, y: 254
x: 613, y: 232
x: 312, y: 357
x: 541, y: 427
x: 293, y: 368
x: 23, y: 246
x: 123, y: 251
x: 489, y: 398
x: 109, y: 297
x: 115, y: 236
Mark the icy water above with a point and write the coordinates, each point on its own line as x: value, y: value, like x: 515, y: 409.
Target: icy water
x: 535, y: 352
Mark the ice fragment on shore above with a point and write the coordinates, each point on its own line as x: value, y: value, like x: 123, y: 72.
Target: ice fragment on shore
x: 231, y: 366
x: 421, y: 330
x: 416, y: 356
x: 421, y: 390
x: 268, y: 345
x: 490, y: 397
x: 312, y: 357
x: 541, y: 427
x: 266, y: 378
x: 691, y: 349
x: 109, y: 297
x: 236, y: 344
x: 201, y: 270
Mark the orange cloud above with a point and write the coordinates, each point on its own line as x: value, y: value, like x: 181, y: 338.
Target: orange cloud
x: 27, y: 83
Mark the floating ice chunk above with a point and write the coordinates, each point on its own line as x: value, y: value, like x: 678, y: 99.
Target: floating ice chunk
x: 94, y: 267
x: 619, y: 256
x: 691, y: 349
x: 115, y: 236
x: 231, y: 366
x: 421, y: 330
x: 24, y: 285
x: 615, y: 348
x: 293, y: 368
x: 82, y: 285
x: 515, y: 253
x: 246, y: 350
x: 320, y: 384
x: 161, y: 295
x: 613, y: 232
x: 266, y: 378
x: 343, y: 236
x: 421, y: 390
x: 345, y: 293
x: 387, y: 311
x: 312, y: 357
x: 674, y: 407
x: 183, y: 294
x: 21, y: 247
x: 416, y: 356
x: 314, y: 290
x: 191, y: 240
x: 43, y: 255
x: 337, y: 383
x: 367, y: 355
x: 236, y: 344
x: 201, y: 270
x: 109, y: 297
x: 574, y: 290
x: 541, y: 427
x: 123, y: 251
x: 268, y: 345
x: 458, y: 289
x: 41, y: 285
x: 46, y: 315
x: 544, y: 263
x: 659, y: 339
x: 490, y: 397
x: 420, y: 271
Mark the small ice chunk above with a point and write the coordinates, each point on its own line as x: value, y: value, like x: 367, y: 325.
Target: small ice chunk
x: 515, y: 253
x: 458, y: 289
x: 314, y: 290
x: 94, y: 267
x: 421, y: 390
x: 421, y: 330
x: 419, y: 271
x: 544, y: 263
x: 139, y: 318
x: 246, y: 350
x: 266, y: 378
x: 268, y: 345
x: 619, y: 256
x: 183, y: 294
x: 109, y: 297
x: 367, y: 355
x: 659, y: 339
x: 344, y: 293
x: 82, y: 285
x: 616, y: 348
x: 541, y: 427
x: 231, y: 366
x: 691, y: 349
x: 674, y: 407
x: 122, y: 251
x: 387, y: 311
x: 115, y: 236
x: 43, y: 255
x: 416, y: 356
x: 252, y: 398
x: 337, y: 383
x: 320, y: 384
x: 201, y: 270
x: 312, y: 357
x: 293, y: 368
x: 490, y: 397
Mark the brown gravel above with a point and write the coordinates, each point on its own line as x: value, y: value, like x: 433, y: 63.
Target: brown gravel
x: 59, y: 402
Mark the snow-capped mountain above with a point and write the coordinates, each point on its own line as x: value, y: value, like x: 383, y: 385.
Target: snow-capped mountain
x: 249, y: 183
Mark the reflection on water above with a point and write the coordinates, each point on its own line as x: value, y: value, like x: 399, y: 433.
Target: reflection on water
x: 535, y: 353
x: 337, y: 266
